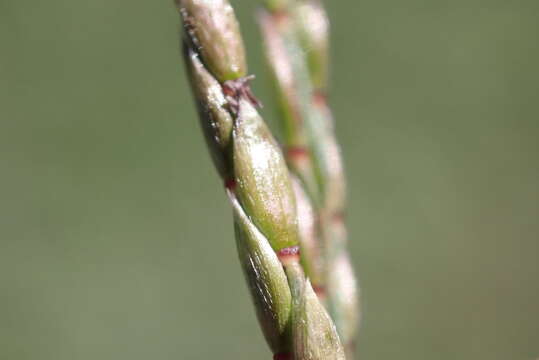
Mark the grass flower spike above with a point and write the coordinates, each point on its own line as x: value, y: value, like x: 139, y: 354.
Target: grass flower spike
x: 257, y: 182
x: 297, y: 43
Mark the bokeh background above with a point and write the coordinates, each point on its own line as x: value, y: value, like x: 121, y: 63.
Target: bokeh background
x: 115, y: 236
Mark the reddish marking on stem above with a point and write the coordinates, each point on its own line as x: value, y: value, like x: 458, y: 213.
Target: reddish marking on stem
x: 297, y: 152
x: 338, y: 216
x: 237, y: 89
x: 288, y: 253
x: 279, y: 16
x: 319, y: 97
x: 228, y: 90
x: 282, y: 356
x: 230, y: 183
x: 319, y: 290
x: 351, y: 346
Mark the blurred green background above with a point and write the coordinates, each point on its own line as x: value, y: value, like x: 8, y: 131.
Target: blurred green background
x: 116, y: 238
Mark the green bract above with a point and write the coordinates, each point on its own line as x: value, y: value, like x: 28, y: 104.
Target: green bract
x: 311, y: 259
x: 344, y: 297
x: 263, y: 181
x: 327, y: 160
x: 315, y: 336
x: 265, y: 277
x: 313, y: 27
x: 286, y: 61
x: 283, y: 76
x: 215, y: 119
x: 215, y: 32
